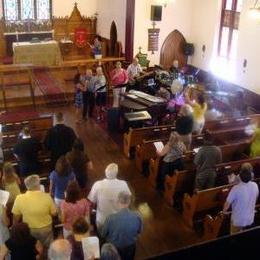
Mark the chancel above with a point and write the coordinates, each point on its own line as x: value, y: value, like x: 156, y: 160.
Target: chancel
x: 129, y: 128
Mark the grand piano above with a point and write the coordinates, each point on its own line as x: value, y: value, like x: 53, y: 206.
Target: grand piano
x: 138, y: 101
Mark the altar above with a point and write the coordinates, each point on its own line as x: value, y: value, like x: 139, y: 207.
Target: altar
x: 44, y: 53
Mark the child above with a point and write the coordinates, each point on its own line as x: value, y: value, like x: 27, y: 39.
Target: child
x: 10, y: 181
x: 78, y: 95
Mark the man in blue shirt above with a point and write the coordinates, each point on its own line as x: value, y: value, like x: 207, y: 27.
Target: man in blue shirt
x: 122, y: 228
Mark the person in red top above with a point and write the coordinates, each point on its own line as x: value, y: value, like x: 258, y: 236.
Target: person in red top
x: 73, y: 207
x: 119, y: 79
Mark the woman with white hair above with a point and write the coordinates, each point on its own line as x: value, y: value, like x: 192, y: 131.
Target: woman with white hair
x: 172, y: 160
x: 104, y: 194
x: 101, y: 92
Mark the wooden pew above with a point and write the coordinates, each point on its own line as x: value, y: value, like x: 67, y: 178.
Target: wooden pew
x: 204, y: 201
x: 9, y: 140
x: 183, y: 181
x: 135, y: 136
x: 230, y: 122
x: 212, y: 225
x: 42, y: 122
x: 229, y: 153
x: 146, y: 150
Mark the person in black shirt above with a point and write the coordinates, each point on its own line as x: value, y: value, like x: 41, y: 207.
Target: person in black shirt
x: 184, y: 125
x: 26, y: 151
x: 21, y: 244
x: 59, y: 139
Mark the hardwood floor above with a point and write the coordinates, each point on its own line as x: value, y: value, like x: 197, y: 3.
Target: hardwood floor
x: 163, y: 226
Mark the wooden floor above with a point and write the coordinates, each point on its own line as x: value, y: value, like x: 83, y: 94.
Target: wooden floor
x: 163, y: 226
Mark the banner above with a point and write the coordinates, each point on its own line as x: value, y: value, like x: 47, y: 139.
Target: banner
x: 81, y: 37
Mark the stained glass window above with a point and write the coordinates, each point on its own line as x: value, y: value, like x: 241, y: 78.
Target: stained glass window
x: 27, y: 9
x: 43, y: 9
x: 11, y: 10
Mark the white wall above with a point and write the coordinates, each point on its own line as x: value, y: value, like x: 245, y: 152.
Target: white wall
x: 109, y: 11
x: 205, y: 28
x: 65, y: 7
x: 176, y: 15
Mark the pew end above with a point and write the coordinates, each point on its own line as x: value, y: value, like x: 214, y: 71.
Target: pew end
x: 153, y: 170
x: 211, y: 226
x: 189, y: 206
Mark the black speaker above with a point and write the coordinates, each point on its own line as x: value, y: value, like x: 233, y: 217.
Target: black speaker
x: 188, y: 49
x: 156, y: 13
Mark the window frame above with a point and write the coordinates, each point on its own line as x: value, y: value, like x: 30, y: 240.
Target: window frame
x: 231, y: 28
x: 19, y: 5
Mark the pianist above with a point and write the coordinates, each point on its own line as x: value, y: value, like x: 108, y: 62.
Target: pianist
x: 119, y: 79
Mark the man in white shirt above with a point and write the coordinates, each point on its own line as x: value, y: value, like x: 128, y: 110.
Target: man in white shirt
x: 134, y: 70
x: 104, y: 194
x: 242, y: 199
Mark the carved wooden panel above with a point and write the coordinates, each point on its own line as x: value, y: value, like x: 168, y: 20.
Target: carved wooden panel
x: 173, y: 49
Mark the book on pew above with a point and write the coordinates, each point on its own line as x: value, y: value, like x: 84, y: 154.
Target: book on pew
x: 195, y: 150
x: 90, y: 246
x: 159, y: 146
x: 4, y: 196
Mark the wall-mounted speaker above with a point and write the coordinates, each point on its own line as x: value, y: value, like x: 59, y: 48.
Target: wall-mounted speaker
x: 188, y: 49
x: 156, y: 13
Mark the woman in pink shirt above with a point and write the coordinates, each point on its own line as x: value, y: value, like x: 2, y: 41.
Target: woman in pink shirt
x: 73, y: 207
x: 119, y: 78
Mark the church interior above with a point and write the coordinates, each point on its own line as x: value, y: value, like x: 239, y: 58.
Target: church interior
x: 121, y: 75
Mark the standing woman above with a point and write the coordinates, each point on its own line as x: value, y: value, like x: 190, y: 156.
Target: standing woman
x: 78, y: 95
x: 73, y: 207
x: 199, y: 109
x: 119, y: 78
x: 60, y: 178
x: 172, y: 160
x: 80, y: 162
x: 101, y: 93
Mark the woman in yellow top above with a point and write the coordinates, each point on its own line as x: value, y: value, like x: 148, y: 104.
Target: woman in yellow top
x: 255, y: 145
x: 199, y: 109
x: 11, y: 182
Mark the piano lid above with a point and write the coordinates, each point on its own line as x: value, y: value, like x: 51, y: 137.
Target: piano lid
x: 146, y: 96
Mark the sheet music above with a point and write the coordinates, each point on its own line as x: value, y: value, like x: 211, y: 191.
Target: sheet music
x: 4, y: 196
x: 159, y: 146
x: 90, y: 247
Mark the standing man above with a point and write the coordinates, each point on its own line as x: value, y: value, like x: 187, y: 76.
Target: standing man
x: 59, y: 139
x: 242, y: 199
x: 35, y: 208
x: 26, y: 151
x: 134, y: 70
x: 104, y: 194
x: 122, y: 228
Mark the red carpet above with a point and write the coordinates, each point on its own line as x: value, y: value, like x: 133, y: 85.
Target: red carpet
x: 49, y: 86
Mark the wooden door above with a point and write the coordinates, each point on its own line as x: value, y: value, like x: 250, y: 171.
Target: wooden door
x: 173, y: 49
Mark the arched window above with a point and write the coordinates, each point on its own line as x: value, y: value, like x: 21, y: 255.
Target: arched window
x: 228, y: 34
x: 20, y: 10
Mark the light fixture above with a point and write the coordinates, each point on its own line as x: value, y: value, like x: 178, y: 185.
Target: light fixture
x: 255, y: 10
